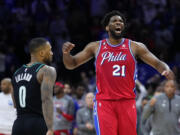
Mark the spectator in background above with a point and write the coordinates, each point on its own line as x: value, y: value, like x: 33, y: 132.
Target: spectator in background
x: 165, y: 111
x: 63, y: 111
x: 59, y: 32
x: 142, y: 93
x: 98, y: 8
x: 84, y: 117
x: 11, y: 61
x: 146, y: 128
x: 80, y: 95
x: 67, y: 89
x: 7, y: 110
x: 140, y: 108
x: 2, y: 63
x: 41, y: 11
x: 20, y: 10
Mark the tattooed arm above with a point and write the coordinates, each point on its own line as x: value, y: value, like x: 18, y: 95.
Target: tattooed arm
x: 48, y: 77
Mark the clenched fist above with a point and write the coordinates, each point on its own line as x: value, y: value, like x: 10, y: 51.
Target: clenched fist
x: 168, y: 74
x: 67, y: 47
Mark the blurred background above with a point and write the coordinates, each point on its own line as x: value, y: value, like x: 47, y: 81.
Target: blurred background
x: 156, y: 23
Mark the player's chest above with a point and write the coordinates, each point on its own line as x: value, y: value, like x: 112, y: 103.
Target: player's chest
x: 109, y: 57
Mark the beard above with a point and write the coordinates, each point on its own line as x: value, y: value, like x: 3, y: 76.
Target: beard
x: 6, y: 90
x: 47, y: 61
x: 114, y: 35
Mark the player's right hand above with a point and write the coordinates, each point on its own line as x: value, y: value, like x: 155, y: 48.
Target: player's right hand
x: 67, y: 47
x: 168, y: 74
x: 50, y: 132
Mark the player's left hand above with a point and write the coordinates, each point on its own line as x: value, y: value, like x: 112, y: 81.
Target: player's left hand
x: 89, y: 126
x: 168, y: 74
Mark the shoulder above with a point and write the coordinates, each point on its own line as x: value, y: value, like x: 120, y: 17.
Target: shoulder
x: 46, y: 71
x: 137, y: 44
x: 138, y: 48
x: 177, y: 97
x: 160, y: 96
x: 93, y: 45
x: 46, y: 67
x: 81, y: 110
x: 68, y: 98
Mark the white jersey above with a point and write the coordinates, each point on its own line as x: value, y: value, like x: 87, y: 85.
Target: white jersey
x: 7, y: 113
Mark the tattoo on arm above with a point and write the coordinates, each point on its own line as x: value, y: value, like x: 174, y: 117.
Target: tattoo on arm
x: 49, y: 77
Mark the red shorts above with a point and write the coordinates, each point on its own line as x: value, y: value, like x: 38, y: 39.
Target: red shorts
x: 115, y: 117
x: 61, y: 132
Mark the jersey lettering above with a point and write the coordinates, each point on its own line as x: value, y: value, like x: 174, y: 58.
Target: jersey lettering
x: 109, y: 56
x: 23, y: 76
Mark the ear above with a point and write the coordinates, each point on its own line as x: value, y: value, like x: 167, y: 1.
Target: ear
x: 41, y: 53
x: 107, y: 28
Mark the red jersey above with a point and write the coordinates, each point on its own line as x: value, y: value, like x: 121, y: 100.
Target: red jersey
x: 115, y: 71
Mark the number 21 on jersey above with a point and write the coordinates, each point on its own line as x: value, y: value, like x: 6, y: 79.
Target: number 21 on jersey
x: 119, y: 70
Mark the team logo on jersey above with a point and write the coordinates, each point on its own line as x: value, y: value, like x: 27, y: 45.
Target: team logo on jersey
x: 100, y: 104
x: 124, y: 47
x: 105, y: 47
x: 25, y: 70
x: 110, y: 57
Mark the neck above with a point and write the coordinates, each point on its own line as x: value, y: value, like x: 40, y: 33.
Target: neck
x: 34, y: 60
x: 115, y: 41
x: 60, y: 95
x: 7, y: 92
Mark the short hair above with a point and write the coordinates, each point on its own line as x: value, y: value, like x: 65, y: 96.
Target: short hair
x: 36, y: 43
x: 107, y: 17
x: 175, y: 83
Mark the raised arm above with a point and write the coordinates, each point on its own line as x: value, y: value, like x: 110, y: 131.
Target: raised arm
x: 141, y: 51
x: 80, y: 58
x: 48, y: 79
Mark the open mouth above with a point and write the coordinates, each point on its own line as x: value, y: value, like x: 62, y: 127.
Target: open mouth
x: 118, y: 30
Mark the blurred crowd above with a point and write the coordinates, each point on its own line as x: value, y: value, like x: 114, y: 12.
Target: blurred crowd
x: 156, y: 23
x: 152, y: 22
x: 157, y: 104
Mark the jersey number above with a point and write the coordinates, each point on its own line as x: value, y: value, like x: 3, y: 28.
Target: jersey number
x: 22, y: 96
x: 119, y: 70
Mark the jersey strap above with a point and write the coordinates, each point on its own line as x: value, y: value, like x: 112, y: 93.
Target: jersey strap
x: 40, y: 66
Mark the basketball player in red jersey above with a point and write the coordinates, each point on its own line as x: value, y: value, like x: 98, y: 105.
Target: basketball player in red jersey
x: 114, y: 108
